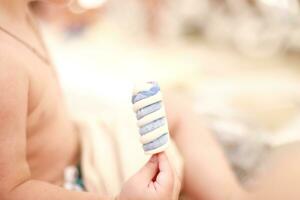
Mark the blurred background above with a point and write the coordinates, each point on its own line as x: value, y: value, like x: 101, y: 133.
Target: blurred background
x: 239, y: 60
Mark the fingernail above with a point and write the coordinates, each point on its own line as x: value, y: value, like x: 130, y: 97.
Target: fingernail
x: 153, y: 159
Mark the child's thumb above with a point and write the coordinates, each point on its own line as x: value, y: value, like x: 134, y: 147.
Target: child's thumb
x: 149, y: 171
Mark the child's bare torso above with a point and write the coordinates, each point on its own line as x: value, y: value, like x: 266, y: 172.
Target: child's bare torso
x: 51, y: 140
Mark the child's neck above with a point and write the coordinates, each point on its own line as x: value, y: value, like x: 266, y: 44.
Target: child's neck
x: 16, y: 21
x: 13, y: 11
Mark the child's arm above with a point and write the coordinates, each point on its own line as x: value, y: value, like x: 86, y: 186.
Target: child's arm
x: 208, y: 173
x: 32, y: 189
x: 155, y: 181
x: 15, y: 182
x: 281, y: 177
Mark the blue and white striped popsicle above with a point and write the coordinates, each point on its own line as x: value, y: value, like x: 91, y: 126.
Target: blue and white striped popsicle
x: 150, y: 113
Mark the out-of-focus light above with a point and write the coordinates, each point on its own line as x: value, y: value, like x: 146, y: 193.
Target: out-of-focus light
x: 90, y: 4
x: 281, y: 8
x: 284, y: 4
x: 81, y: 6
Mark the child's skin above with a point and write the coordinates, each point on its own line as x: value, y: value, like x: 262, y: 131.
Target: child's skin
x: 37, y: 140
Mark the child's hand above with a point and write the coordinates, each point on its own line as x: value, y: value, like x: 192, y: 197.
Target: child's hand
x: 155, y: 181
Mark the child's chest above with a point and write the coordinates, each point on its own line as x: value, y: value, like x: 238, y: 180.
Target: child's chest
x: 44, y: 90
x: 46, y: 109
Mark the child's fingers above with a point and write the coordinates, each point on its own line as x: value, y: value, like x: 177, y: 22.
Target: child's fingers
x: 166, y: 174
x: 149, y: 171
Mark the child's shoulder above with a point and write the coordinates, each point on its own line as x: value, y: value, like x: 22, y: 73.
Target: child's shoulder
x: 14, y: 74
x: 12, y: 60
x: 14, y: 83
x: 20, y: 63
